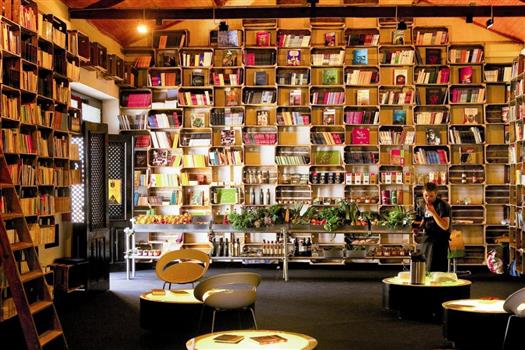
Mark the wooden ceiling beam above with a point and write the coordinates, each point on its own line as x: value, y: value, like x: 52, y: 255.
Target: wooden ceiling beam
x: 299, y: 12
x: 104, y: 4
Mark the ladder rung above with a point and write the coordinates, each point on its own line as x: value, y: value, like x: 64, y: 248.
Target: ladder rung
x: 31, y: 275
x: 11, y: 216
x: 40, y: 305
x: 21, y: 245
x: 49, y: 336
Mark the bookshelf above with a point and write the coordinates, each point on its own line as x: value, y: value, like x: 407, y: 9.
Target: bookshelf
x: 310, y: 115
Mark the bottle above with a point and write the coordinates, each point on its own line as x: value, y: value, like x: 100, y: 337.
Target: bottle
x: 296, y: 247
x: 252, y: 196
x: 308, y: 247
x: 220, y: 252
x: 215, y: 197
x: 230, y: 247
x: 261, y: 197
x: 226, y: 250
x: 264, y: 248
x: 215, y: 247
x: 302, y: 247
x: 268, y: 197
x: 259, y: 177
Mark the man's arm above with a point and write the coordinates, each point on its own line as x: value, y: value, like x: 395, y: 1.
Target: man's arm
x: 444, y: 222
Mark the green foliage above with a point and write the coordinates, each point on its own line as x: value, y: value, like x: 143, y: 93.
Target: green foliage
x: 397, y: 218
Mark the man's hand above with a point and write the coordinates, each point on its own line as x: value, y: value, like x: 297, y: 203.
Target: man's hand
x: 430, y: 208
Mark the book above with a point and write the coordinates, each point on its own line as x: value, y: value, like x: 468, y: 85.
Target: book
x: 330, y: 77
x: 329, y: 116
x: 229, y: 58
x: 293, y: 57
x: 360, y: 56
x: 363, y: 97
x: 228, y: 338
x: 198, y: 120
x: 470, y: 116
x: 399, y: 117
x: 163, y: 40
x: 158, y: 292
x: 231, y: 96
x: 360, y: 136
x: 398, y: 37
x: 269, y: 339
x: 400, y: 76
x: 465, y: 75
x: 197, y: 78
x: 262, y: 118
x: 262, y: 39
x: 434, y: 96
x: 432, y: 56
x: 260, y: 78
x: 295, y: 97
x: 227, y: 137
x: 329, y: 39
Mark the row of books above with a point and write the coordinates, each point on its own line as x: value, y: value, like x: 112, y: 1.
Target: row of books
x: 439, y: 37
x: 196, y: 139
x: 29, y: 51
x: 227, y: 117
x: 10, y: 107
x: 225, y: 157
x: 392, y: 137
x: 14, y: 141
x: 43, y: 145
x: 28, y: 18
x: 501, y: 74
x: 362, y: 77
x: 328, y: 59
x: 397, y: 57
x: 328, y: 97
x: 259, y: 138
x: 474, y: 55
x: 361, y: 157
x: 164, y: 180
x: 162, y: 139
x: 59, y: 38
x: 132, y: 122
x: 432, y: 76
x: 292, y: 160
x: 259, y: 96
x: 463, y: 136
x: 164, y: 120
x: 45, y: 59
x: 293, y: 40
x: 177, y: 40
x: 140, y: 179
x: 61, y: 147
x: 327, y: 138
x: 288, y: 118
x: 26, y: 173
x: 362, y: 117
x: 44, y: 118
x: 163, y: 79
x: 194, y: 161
x: 195, y: 99
x: 362, y: 39
x: 45, y: 175
x: 61, y: 93
x: 136, y: 100
x: 231, y: 79
x: 73, y: 71
x: 61, y: 177
x: 201, y: 59
x: 62, y: 204
x: 29, y: 81
x: 468, y: 95
x: 396, y: 97
x: 259, y: 58
x: 10, y: 39
x: 45, y: 28
x: 292, y: 78
x: 60, y: 121
x: 142, y: 62
x: 428, y: 117
x: 423, y: 156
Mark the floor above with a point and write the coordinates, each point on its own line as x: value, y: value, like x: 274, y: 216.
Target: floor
x: 340, y: 307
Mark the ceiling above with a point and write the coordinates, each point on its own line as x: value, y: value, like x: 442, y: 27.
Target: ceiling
x: 120, y: 29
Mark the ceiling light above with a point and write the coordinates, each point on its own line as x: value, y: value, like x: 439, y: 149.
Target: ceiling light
x: 142, y: 27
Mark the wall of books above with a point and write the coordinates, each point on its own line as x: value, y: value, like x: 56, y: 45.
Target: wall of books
x: 310, y: 115
x: 37, y: 119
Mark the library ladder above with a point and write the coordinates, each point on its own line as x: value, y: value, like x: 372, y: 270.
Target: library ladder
x: 31, y: 296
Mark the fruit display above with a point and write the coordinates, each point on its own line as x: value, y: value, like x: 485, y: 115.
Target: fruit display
x: 163, y: 219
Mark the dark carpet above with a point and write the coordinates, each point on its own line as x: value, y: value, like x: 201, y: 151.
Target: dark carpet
x: 340, y: 307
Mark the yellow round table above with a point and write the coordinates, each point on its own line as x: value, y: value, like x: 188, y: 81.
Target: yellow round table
x: 294, y: 341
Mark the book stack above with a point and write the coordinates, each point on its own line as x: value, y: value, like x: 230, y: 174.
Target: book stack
x: 196, y: 139
x: 164, y: 180
x: 328, y: 59
x: 259, y: 58
x: 29, y: 52
x: 423, y: 156
x: 61, y: 93
x: 432, y: 76
x: 31, y: 206
x: 44, y: 118
x: 43, y: 145
x: 45, y: 59
x: 292, y: 78
x: 60, y: 121
x: 163, y: 120
x: 397, y: 57
x: 142, y: 141
x: 465, y: 136
x: 27, y: 175
x: 288, y: 118
x: 226, y: 117
x: 396, y: 97
x: 45, y: 175
x: 10, y: 39
x: 292, y: 40
x: 60, y: 147
x: 225, y: 157
x: 61, y: 177
x: 259, y: 96
x: 498, y: 74
x: 189, y: 98
x: 327, y: 97
x: 73, y: 71
x: 45, y: 28
x: 162, y: 79
x: 467, y: 95
x: 225, y: 79
x: 162, y: 139
x: 194, y: 161
x: 59, y: 38
x: 259, y: 138
x: 29, y: 81
x: 393, y: 137
x: 28, y: 18
x: 327, y: 138
x: 428, y: 117
x: 10, y: 107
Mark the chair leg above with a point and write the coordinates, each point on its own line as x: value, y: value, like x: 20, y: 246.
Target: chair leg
x: 253, y: 315
x: 504, y: 345
x: 213, y: 320
x: 164, y: 285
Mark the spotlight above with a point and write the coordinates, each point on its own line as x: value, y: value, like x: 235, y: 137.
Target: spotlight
x: 490, y: 23
x: 401, y: 25
x: 223, y: 26
x: 469, y: 19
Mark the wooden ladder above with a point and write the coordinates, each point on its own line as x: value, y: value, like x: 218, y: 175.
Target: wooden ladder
x: 31, y: 296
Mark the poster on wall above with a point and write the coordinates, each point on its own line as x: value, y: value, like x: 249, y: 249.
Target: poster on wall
x: 115, y: 192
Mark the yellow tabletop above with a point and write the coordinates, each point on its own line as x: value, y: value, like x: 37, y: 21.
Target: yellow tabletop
x: 294, y: 341
x: 428, y: 283
x: 178, y: 296
x: 476, y: 305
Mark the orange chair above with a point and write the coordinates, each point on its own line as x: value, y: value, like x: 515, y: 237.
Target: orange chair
x: 182, y: 266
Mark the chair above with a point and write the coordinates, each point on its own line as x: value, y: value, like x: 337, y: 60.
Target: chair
x: 182, y: 266
x: 230, y: 291
x: 515, y: 305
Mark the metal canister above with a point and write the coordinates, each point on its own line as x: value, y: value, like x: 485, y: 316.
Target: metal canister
x: 418, y: 269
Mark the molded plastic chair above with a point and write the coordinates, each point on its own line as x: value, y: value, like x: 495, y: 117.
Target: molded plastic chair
x: 515, y: 305
x: 230, y: 291
x: 182, y: 266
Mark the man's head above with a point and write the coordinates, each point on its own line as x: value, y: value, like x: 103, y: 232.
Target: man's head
x: 430, y: 192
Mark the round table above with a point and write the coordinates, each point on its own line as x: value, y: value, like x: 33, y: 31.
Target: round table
x: 177, y: 311
x: 294, y: 341
x: 476, y: 323
x: 422, y: 301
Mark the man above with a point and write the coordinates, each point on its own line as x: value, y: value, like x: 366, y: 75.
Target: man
x: 436, y: 223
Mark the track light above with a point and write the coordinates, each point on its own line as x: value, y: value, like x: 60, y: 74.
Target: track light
x: 142, y: 27
x: 469, y: 19
x: 401, y: 25
x: 223, y: 26
x: 490, y: 21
